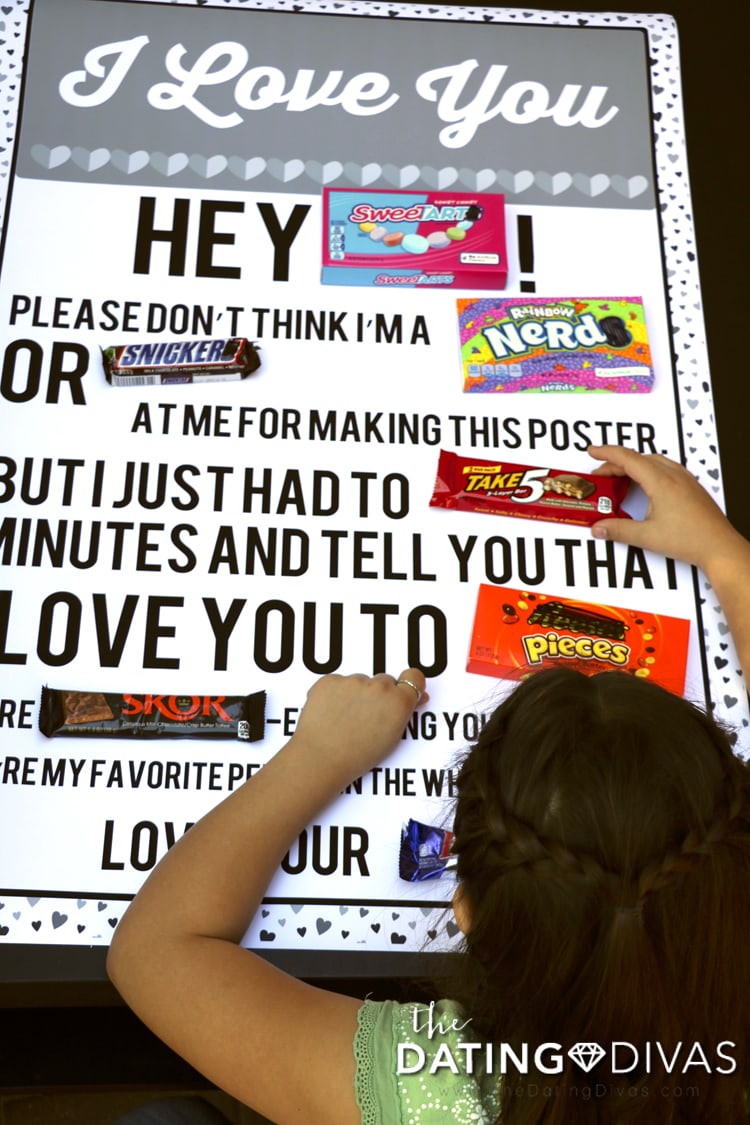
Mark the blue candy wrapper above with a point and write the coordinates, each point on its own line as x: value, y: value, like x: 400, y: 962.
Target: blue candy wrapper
x: 425, y: 852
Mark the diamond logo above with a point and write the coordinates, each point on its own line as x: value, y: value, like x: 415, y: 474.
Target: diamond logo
x: 587, y: 1055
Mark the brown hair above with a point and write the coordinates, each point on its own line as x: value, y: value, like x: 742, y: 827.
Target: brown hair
x: 603, y: 837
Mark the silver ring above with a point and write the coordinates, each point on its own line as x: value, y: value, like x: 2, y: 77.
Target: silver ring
x: 414, y: 687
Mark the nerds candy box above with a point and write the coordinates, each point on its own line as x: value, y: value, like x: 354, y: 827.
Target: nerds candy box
x: 555, y: 344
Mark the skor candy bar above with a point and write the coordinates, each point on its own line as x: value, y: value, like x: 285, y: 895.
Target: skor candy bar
x: 161, y: 362
x: 517, y: 633
x: 96, y: 714
x: 468, y: 484
x: 554, y: 344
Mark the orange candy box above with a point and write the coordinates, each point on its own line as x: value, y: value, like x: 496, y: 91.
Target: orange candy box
x: 517, y: 633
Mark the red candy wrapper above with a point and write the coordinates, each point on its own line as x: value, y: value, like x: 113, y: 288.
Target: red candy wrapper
x: 517, y: 633
x: 468, y: 484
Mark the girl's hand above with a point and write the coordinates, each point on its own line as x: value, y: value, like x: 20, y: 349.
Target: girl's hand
x: 682, y: 520
x: 353, y: 722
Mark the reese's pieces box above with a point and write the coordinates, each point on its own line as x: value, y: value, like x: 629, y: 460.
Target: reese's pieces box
x: 517, y: 633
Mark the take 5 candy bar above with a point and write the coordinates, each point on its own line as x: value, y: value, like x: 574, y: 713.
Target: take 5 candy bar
x: 161, y: 362
x: 517, y: 633
x: 501, y: 488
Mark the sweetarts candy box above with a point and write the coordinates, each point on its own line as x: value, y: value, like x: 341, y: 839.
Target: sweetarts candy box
x: 517, y: 633
x: 554, y: 344
x: 407, y: 239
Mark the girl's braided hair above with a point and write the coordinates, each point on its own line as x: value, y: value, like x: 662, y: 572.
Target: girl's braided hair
x: 603, y: 837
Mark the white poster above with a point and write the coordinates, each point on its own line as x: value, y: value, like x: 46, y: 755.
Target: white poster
x: 176, y: 544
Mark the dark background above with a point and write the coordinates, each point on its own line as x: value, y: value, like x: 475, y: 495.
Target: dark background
x: 714, y: 69
x: 714, y: 40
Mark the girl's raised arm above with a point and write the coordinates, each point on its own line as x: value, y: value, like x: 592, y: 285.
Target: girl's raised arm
x: 683, y: 522
x: 272, y: 1042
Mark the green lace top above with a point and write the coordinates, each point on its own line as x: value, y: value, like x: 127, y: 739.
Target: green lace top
x: 411, y: 1069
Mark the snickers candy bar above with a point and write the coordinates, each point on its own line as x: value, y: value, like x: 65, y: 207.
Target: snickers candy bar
x: 180, y: 361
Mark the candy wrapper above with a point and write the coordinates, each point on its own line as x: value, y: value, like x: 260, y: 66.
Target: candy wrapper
x: 163, y: 362
x: 469, y: 485
x: 517, y: 633
x: 410, y: 239
x: 96, y: 714
x: 425, y: 852
x: 555, y: 344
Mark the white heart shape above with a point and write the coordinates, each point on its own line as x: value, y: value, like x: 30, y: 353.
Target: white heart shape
x: 554, y: 184
x: 362, y: 174
x: 515, y: 181
x: 591, y: 185
x: 285, y: 170
x: 50, y: 157
x: 630, y: 187
x: 247, y: 169
x: 439, y: 178
x: 477, y: 181
x: 599, y: 183
x: 90, y: 161
x: 129, y: 161
x: 370, y: 173
x: 207, y: 166
x: 400, y: 177
x: 169, y: 165
x: 323, y: 173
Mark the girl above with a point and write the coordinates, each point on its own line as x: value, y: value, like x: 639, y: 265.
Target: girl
x: 603, y: 840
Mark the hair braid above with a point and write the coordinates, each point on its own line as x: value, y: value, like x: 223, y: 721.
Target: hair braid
x: 583, y: 799
x: 501, y: 842
x: 731, y: 817
x: 511, y: 843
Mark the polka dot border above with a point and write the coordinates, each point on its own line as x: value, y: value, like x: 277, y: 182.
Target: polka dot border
x: 65, y: 921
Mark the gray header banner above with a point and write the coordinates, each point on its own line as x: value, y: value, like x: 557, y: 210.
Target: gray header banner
x: 288, y: 101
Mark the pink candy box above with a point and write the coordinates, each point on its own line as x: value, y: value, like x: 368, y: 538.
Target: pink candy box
x: 407, y: 239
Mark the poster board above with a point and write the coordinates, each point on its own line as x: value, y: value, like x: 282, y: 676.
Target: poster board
x: 248, y: 538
